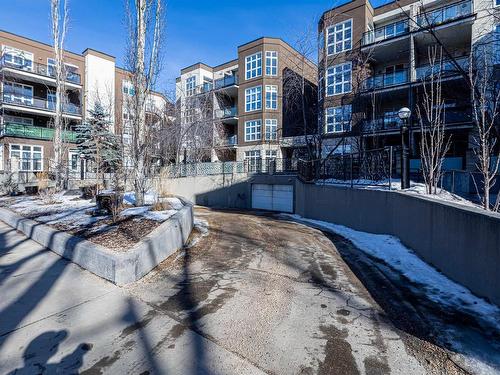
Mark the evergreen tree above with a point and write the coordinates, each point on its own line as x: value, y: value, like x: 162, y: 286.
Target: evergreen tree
x: 97, y: 143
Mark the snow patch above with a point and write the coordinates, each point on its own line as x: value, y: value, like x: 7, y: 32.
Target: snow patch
x: 149, y: 198
x: 202, y: 226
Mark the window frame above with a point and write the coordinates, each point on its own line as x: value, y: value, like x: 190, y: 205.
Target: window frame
x: 23, y: 162
x: 21, y: 54
x: 271, y: 69
x: 342, y: 83
x: 190, y: 85
x: 345, y: 125
x: 23, y: 99
x: 272, y: 134
x: 253, y: 101
x: 343, y: 41
x: 253, y: 130
x: 272, y: 99
x: 253, y: 71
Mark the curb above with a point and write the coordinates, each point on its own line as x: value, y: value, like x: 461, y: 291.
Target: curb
x: 119, y: 268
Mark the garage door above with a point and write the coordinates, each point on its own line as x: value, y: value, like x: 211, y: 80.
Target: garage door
x: 272, y: 197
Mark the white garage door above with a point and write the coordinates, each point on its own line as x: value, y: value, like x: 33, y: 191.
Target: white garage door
x: 272, y: 197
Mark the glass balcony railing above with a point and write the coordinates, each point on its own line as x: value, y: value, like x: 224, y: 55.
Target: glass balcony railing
x: 228, y: 141
x: 12, y: 129
x: 40, y: 103
x: 40, y: 69
x: 385, y: 32
x: 445, y: 68
x: 386, y: 80
x: 445, y: 14
x: 226, y: 112
x: 225, y: 82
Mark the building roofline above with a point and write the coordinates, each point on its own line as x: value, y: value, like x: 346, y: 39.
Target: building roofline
x: 106, y: 55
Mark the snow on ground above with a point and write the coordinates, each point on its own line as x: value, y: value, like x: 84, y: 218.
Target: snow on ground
x: 436, y: 285
x: 202, y: 226
x: 482, y: 357
x: 415, y: 188
x: 149, y: 198
x: 146, y: 213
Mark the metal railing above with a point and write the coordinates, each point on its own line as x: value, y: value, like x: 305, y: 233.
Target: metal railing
x: 11, y: 129
x: 382, y: 33
x: 40, y: 69
x: 40, y: 103
x: 228, y: 141
x: 225, y: 82
x: 445, y: 14
x: 387, y: 80
x: 446, y: 68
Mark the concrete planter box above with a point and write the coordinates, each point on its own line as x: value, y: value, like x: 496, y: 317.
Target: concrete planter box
x: 119, y: 267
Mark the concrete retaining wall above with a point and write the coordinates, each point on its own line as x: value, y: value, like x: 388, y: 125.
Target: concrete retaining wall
x: 462, y: 242
x: 120, y: 268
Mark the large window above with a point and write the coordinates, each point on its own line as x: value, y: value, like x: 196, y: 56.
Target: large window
x: 338, y: 119
x: 253, y: 159
x: 253, y: 99
x: 17, y: 58
x: 271, y: 129
x: 128, y: 88
x: 271, y: 97
x: 339, y: 37
x: 338, y: 79
x: 253, y: 130
x: 190, y: 85
x: 253, y: 65
x: 26, y: 158
x: 17, y: 93
x: 271, y: 63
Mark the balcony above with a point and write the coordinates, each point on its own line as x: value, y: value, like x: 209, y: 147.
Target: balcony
x: 40, y: 104
x: 386, y: 32
x: 226, y: 113
x: 230, y: 141
x: 445, y: 14
x: 47, y: 71
x: 386, y: 80
x: 11, y: 129
x: 225, y: 82
x: 446, y: 68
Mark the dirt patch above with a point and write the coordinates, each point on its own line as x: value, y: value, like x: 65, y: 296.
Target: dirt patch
x: 338, y: 353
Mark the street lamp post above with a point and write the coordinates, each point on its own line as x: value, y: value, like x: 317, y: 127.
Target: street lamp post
x: 404, y: 114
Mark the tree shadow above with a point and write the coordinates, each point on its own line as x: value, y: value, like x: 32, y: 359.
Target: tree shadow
x: 43, y: 347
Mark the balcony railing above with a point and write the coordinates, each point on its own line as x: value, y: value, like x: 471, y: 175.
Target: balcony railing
x: 446, y: 68
x: 385, y: 32
x: 225, y: 82
x: 40, y: 103
x: 228, y: 141
x: 40, y: 69
x: 11, y: 129
x: 226, y: 112
x: 445, y: 14
x: 386, y: 80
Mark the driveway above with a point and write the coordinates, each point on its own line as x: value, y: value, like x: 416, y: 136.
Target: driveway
x: 256, y: 295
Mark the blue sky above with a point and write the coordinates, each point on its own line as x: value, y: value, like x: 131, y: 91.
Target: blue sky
x: 195, y: 31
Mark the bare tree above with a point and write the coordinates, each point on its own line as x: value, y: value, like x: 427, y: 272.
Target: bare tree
x: 145, y: 23
x: 485, y: 99
x: 59, y: 20
x: 431, y: 115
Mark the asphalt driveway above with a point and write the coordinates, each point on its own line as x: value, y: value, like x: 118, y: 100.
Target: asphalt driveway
x: 255, y: 295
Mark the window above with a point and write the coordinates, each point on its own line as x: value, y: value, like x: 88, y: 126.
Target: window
x: 128, y: 88
x: 497, y: 3
x: 271, y: 154
x: 321, y: 45
x: 17, y: 58
x: 190, y: 85
x: 17, y: 120
x: 17, y: 93
x: 253, y: 99
x: 29, y: 158
x: 253, y: 130
x: 339, y: 37
x: 321, y: 84
x: 253, y: 158
x: 271, y: 129
x: 253, y: 65
x: 271, y: 97
x: 497, y: 41
x: 271, y: 63
x: 71, y: 71
x: 51, y: 100
x: 338, y: 79
x: 338, y: 119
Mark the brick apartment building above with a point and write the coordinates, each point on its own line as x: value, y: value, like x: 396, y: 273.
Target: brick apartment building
x: 27, y: 100
x: 250, y: 101
x: 373, y: 61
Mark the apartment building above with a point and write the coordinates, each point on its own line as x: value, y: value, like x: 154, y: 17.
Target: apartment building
x: 247, y: 108
x: 27, y: 100
x: 374, y: 61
